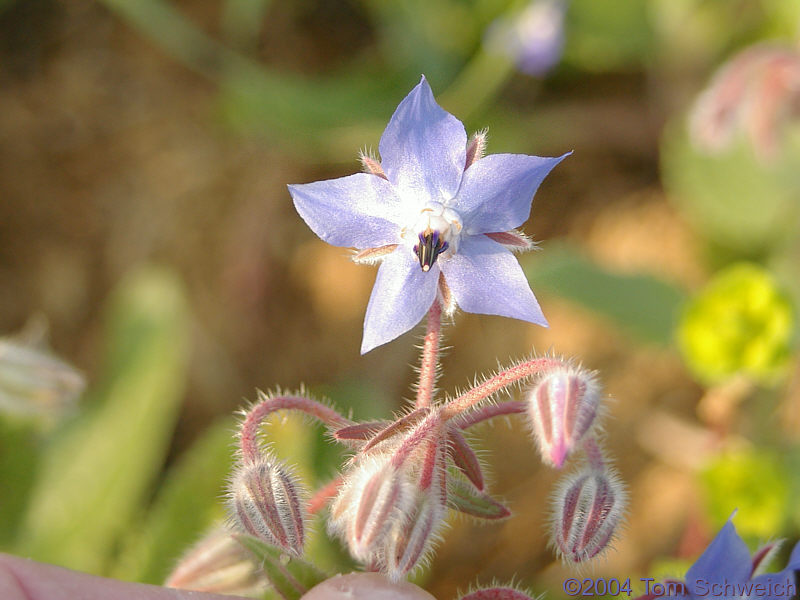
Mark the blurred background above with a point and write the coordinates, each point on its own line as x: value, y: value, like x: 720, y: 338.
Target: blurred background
x: 148, y: 241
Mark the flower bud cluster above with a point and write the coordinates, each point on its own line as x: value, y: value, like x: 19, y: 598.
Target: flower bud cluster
x: 392, y: 501
x: 563, y: 409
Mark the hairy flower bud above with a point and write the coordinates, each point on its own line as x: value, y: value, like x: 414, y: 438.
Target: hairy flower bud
x: 562, y: 407
x: 414, y: 532
x: 373, y: 494
x: 265, y: 501
x: 411, y: 537
x: 34, y: 382
x: 218, y: 564
x: 587, y: 508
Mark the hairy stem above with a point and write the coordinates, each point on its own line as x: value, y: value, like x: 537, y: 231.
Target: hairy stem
x: 495, y: 384
x: 484, y: 413
x: 594, y: 454
x: 426, y: 430
x: 248, y: 435
x: 429, y: 364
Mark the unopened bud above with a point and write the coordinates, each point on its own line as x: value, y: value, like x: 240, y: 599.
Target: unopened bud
x: 587, y: 509
x: 562, y: 407
x: 373, y: 494
x: 34, y: 382
x: 218, y: 564
x: 265, y: 501
x: 412, y: 537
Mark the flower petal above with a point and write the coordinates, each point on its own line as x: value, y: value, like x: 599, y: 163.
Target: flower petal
x: 486, y: 278
x: 423, y: 149
x: 360, y: 210
x: 783, y: 584
x: 497, y: 191
x: 402, y: 295
x: 727, y: 559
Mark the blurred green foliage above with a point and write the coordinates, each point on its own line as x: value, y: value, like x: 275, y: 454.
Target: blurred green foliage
x: 733, y: 198
x: 84, y: 494
x: 97, y: 471
x: 640, y: 304
x: 755, y: 484
x: 186, y: 503
x: 741, y: 323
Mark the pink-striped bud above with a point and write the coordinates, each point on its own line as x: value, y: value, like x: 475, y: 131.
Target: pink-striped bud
x: 413, y: 534
x: 587, y: 508
x: 374, y: 493
x: 562, y: 407
x: 412, y: 537
x: 218, y: 564
x: 265, y: 501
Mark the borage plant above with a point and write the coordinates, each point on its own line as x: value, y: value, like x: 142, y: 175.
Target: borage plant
x: 441, y: 220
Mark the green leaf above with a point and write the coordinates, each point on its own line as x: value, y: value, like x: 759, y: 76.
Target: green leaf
x: 643, y: 305
x: 186, y: 506
x: 290, y: 577
x: 95, y: 477
x: 466, y: 498
x: 19, y: 459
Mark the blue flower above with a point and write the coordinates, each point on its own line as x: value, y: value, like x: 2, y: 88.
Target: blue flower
x: 727, y: 571
x: 436, y: 216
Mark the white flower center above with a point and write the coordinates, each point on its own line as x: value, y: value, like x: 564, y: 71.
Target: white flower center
x: 436, y: 231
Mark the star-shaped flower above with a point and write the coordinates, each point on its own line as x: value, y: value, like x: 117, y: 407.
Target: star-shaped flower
x: 436, y: 217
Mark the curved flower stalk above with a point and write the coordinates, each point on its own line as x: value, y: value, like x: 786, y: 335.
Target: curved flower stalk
x: 438, y: 219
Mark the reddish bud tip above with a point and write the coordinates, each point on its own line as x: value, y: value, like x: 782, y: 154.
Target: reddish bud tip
x: 562, y: 407
x: 587, y: 509
x: 265, y: 501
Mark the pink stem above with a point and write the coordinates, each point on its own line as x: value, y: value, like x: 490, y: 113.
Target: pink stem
x: 497, y: 383
x: 417, y: 437
x: 432, y: 455
x: 322, y: 495
x: 248, y: 434
x: 430, y: 356
x: 593, y: 453
x: 484, y: 413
